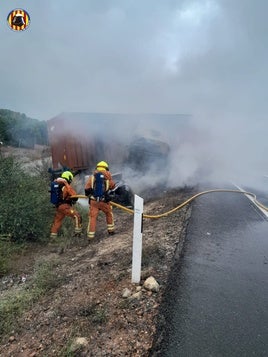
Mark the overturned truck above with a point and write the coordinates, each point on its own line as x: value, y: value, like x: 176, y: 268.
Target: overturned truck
x: 79, y: 140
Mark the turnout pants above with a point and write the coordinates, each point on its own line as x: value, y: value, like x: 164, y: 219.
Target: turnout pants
x: 62, y: 211
x: 95, y: 207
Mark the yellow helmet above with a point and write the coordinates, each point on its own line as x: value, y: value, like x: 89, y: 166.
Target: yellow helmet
x: 68, y: 176
x: 103, y: 164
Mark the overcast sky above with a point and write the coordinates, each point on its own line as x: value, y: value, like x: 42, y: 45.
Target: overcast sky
x: 207, y: 58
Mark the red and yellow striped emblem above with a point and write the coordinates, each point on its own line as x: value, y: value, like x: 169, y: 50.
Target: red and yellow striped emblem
x: 18, y: 20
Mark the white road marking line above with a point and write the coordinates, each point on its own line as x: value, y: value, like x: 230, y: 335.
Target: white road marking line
x: 252, y: 200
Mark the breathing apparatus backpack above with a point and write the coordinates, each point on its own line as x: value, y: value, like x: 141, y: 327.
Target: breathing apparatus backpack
x: 55, y: 193
x: 100, y: 187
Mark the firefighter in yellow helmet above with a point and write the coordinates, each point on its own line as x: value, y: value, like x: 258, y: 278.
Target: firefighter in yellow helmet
x: 96, y: 188
x: 64, y: 208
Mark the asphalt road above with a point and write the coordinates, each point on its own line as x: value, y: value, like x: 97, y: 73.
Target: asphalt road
x: 217, y: 301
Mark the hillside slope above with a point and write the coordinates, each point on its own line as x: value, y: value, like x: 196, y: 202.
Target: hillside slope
x: 87, y: 301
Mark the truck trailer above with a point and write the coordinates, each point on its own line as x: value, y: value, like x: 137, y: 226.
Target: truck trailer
x: 140, y: 142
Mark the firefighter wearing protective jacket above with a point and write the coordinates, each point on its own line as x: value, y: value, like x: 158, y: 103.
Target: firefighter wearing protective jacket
x: 65, y: 206
x: 102, y: 204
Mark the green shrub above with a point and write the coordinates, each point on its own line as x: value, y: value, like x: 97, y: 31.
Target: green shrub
x: 25, y: 209
x: 5, y: 253
x: 19, y: 130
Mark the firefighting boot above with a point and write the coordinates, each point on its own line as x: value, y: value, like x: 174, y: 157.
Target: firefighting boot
x: 78, y: 232
x: 53, y: 238
x: 90, y: 235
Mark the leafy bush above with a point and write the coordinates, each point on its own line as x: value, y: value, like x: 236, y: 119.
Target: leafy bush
x: 25, y: 210
x: 5, y: 253
x: 17, y: 129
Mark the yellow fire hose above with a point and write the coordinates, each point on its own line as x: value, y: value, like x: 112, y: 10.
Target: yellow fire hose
x: 184, y: 203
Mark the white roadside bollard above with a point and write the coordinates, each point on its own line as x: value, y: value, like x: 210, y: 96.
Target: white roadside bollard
x: 137, y: 239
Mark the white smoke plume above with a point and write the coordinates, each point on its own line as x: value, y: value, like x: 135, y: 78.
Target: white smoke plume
x: 203, y: 58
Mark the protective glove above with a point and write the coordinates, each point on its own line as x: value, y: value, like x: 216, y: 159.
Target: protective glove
x: 74, y: 200
x: 107, y: 197
x: 88, y: 191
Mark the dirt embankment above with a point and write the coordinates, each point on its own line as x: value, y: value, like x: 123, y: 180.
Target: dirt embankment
x: 95, y: 303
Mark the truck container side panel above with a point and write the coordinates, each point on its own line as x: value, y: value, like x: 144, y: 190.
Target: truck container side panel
x: 77, y: 154
x: 59, y: 153
x: 79, y: 140
x: 69, y: 152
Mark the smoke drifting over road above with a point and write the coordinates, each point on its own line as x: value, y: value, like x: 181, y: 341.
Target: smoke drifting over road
x: 205, y: 58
